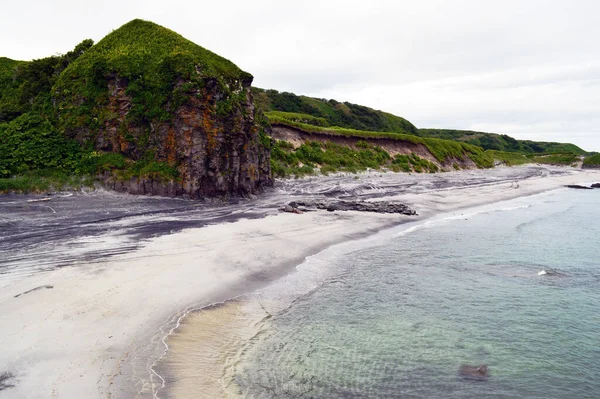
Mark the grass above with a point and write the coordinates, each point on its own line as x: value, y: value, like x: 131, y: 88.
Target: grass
x: 312, y: 157
x: 348, y: 115
x: 592, y: 161
x: 44, y: 181
x: 151, y: 59
x: 501, y: 142
x: 442, y: 150
x: 556, y: 159
x: 297, y: 117
x: 509, y: 158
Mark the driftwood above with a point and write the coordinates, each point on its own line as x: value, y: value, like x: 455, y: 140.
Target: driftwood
x: 39, y: 199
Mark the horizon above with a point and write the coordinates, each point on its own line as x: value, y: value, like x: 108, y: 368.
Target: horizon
x: 526, y: 70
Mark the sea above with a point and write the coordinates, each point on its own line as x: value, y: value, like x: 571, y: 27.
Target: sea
x: 513, y: 285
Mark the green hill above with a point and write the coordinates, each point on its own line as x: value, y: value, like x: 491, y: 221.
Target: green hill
x: 144, y: 110
x: 593, y: 161
x: 150, y: 59
x: 332, y: 112
x: 501, y: 142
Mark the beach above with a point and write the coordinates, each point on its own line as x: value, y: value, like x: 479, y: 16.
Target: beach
x: 98, y: 329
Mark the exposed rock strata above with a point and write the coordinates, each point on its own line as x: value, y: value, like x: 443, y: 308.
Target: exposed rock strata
x: 297, y: 137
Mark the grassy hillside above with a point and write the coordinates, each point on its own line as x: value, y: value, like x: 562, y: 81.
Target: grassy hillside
x: 9, y: 106
x: 322, y: 112
x: 443, y: 150
x: 501, y: 142
x: 26, y: 86
x: 559, y: 159
x: 40, y: 98
x: 592, y: 161
x: 334, y: 113
x: 331, y: 157
x: 151, y: 58
x: 509, y: 158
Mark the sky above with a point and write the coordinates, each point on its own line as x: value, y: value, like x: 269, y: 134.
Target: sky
x: 527, y: 68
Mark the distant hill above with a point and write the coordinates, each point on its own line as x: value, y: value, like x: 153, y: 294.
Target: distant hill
x: 501, y: 142
x: 331, y: 113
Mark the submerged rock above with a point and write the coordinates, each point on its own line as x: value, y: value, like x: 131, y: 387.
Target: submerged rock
x: 474, y: 372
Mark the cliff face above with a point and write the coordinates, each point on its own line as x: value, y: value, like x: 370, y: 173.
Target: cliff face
x: 183, y: 114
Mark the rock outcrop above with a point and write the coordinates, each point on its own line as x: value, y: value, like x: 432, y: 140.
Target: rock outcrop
x: 480, y: 372
x: 183, y: 115
x: 359, y: 206
x: 579, y: 187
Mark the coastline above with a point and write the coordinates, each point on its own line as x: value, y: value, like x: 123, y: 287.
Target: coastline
x: 99, y: 329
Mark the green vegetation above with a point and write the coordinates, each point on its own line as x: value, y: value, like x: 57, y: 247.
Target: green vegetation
x: 406, y: 163
x: 46, y: 102
x: 279, y: 106
x: 592, y: 161
x: 35, y: 156
x: 501, y: 142
x: 297, y: 117
x: 330, y: 157
x: 335, y: 113
x: 151, y: 59
x: 41, y: 100
x: 44, y: 180
x: 556, y: 159
x: 26, y: 86
x: 442, y: 150
x: 30, y: 143
x: 509, y: 158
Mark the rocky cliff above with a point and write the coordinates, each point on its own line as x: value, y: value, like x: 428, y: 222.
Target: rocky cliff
x: 182, y: 116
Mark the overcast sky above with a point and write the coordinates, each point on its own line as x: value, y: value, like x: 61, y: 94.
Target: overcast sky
x: 528, y: 68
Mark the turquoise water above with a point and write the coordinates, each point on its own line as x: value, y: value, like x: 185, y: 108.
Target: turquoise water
x: 401, y: 316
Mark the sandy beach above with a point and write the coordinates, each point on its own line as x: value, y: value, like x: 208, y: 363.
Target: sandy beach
x: 97, y: 329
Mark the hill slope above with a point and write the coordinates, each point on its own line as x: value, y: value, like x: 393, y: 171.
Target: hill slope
x: 332, y: 112
x: 501, y: 142
x: 147, y: 109
x: 153, y: 96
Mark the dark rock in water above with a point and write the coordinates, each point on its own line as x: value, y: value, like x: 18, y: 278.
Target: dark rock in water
x: 579, y: 187
x: 360, y: 206
x: 480, y: 372
x: 596, y: 185
x: 550, y: 273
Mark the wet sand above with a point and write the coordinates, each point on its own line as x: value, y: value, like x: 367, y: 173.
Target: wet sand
x: 99, y: 331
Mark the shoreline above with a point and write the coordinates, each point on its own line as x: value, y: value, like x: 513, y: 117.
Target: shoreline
x: 202, y: 319
x: 102, y: 324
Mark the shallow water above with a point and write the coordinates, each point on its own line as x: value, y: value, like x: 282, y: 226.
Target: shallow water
x: 397, y: 318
